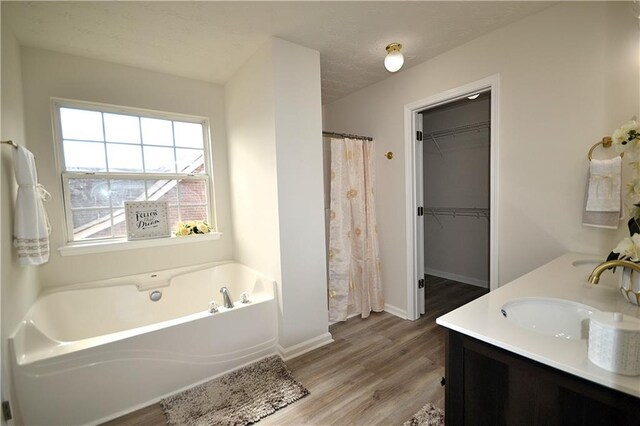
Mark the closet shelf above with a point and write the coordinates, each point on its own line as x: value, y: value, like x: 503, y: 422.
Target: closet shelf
x: 457, y: 211
x: 481, y: 125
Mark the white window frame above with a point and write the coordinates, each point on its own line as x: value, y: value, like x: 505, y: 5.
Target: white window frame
x: 121, y: 243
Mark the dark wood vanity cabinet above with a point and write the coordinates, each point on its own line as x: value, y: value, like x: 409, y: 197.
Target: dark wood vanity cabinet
x: 486, y: 385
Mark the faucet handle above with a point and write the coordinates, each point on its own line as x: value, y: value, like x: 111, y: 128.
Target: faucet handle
x: 244, y: 297
x: 213, y: 307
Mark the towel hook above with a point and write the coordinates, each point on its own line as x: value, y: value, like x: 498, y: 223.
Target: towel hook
x: 605, y: 142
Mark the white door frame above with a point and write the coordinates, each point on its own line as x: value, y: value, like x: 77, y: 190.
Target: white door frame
x: 410, y: 111
x: 419, y: 198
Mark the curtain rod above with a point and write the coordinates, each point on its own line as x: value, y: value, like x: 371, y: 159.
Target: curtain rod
x: 347, y: 135
x: 12, y: 143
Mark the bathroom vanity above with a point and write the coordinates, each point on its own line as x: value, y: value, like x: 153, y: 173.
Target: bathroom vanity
x: 534, y: 369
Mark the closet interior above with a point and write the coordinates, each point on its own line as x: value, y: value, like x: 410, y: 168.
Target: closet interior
x: 456, y: 184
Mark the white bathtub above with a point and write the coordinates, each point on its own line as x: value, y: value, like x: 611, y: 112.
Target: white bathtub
x: 91, y: 352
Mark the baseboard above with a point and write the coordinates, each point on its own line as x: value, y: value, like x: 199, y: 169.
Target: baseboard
x: 456, y: 277
x: 394, y: 310
x: 304, y: 347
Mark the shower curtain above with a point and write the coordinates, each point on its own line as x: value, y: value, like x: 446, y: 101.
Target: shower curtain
x: 354, y: 259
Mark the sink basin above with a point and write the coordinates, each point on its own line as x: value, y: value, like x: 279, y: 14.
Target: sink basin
x: 559, y: 318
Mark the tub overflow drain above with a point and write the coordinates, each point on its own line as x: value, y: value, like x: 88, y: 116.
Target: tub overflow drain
x: 155, y: 295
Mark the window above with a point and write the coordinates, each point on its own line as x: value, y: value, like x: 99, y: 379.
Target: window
x: 109, y: 155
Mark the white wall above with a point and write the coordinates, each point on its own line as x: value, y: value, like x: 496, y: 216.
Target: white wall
x: 48, y: 74
x: 456, y: 174
x: 568, y: 75
x: 298, y: 117
x: 275, y: 158
x: 251, y: 134
x: 19, y: 285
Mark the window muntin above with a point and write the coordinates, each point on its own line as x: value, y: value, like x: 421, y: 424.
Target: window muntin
x: 110, y: 155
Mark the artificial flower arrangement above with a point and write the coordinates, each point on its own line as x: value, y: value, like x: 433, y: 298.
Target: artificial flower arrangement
x: 629, y: 247
x: 626, y: 141
x: 192, y: 227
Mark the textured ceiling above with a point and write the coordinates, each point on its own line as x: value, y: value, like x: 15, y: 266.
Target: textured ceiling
x: 210, y: 40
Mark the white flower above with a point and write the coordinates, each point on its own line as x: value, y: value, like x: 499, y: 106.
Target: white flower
x: 629, y: 126
x: 625, y: 138
x: 192, y: 227
x: 629, y: 248
x: 635, y: 164
x: 633, y: 150
x: 182, y: 229
x: 633, y: 187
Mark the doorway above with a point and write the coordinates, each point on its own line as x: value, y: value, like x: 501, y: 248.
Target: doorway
x: 454, y: 211
x: 455, y: 170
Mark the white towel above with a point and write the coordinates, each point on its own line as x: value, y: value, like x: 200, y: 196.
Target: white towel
x: 31, y: 225
x: 598, y: 186
x: 607, y: 220
x: 604, y: 185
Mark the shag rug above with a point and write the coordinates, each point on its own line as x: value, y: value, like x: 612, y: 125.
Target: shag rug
x: 429, y: 415
x: 241, y: 397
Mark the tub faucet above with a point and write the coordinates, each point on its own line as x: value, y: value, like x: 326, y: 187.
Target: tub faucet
x: 227, y: 297
x: 598, y: 270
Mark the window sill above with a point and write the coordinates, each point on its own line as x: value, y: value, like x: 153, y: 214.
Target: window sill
x: 75, y: 249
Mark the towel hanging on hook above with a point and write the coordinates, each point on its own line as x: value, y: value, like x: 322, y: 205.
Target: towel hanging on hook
x: 31, y: 224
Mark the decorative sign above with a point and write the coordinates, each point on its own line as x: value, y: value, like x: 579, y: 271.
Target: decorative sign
x: 147, y: 219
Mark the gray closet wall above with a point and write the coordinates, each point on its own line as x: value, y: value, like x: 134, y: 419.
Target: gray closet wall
x: 456, y: 175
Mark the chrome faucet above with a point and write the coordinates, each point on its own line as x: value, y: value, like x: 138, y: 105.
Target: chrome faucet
x: 598, y: 270
x: 227, y: 297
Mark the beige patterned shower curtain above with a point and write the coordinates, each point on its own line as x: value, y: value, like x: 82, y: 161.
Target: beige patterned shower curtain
x: 354, y: 259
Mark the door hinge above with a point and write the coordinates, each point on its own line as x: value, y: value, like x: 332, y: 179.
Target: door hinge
x: 6, y: 411
x: 419, y: 135
x: 420, y: 283
x: 420, y: 211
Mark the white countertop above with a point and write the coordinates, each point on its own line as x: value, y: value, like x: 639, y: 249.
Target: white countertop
x: 563, y: 278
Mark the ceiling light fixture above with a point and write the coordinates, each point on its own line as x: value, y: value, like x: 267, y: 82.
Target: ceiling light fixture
x: 474, y: 96
x: 394, y: 59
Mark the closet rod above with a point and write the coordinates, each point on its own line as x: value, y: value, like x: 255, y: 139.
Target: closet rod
x: 347, y: 135
x: 457, y: 211
x: 460, y: 209
x: 461, y: 129
x: 12, y: 143
x: 459, y: 214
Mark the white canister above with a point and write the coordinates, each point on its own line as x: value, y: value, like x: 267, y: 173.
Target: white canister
x: 614, y: 342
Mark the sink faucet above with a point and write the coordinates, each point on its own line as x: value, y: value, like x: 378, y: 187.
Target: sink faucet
x: 598, y: 270
x: 227, y: 297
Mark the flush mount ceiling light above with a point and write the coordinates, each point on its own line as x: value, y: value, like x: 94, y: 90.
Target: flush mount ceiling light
x: 474, y: 96
x: 394, y: 59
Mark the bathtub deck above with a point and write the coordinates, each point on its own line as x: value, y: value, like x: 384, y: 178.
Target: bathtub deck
x: 377, y: 371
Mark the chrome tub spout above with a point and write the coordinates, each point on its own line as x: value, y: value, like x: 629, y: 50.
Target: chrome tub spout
x: 227, y: 297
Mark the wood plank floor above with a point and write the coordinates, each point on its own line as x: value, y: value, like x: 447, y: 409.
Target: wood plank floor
x: 379, y: 370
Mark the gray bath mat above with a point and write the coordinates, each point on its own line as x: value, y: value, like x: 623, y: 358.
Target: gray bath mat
x: 429, y: 415
x: 241, y: 397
